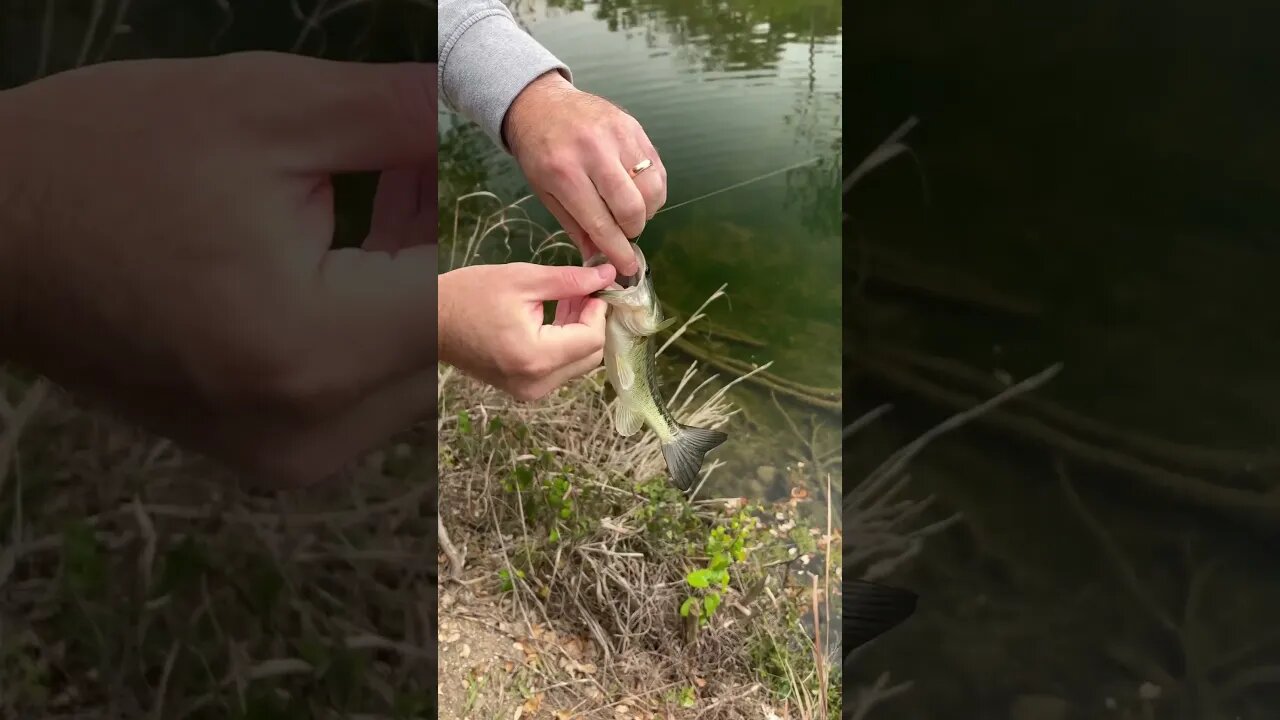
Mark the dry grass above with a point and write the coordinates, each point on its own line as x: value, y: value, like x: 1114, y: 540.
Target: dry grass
x: 136, y: 582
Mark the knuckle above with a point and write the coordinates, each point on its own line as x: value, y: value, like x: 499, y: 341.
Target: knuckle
x: 519, y: 365
x: 559, y: 168
x: 598, y: 225
x: 280, y: 377
x: 569, y: 277
x: 634, y: 208
x: 302, y: 389
x: 592, y: 142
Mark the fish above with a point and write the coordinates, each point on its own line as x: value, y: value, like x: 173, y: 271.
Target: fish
x: 870, y: 610
x: 633, y: 320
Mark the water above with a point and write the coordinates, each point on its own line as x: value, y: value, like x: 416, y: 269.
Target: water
x: 726, y: 92
x: 1112, y: 166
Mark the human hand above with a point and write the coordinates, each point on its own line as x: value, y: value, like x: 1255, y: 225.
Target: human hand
x: 491, y: 324
x: 577, y: 151
x: 165, y: 230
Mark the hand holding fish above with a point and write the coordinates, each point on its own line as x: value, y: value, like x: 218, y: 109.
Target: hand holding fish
x: 491, y: 324
x: 165, y: 232
x: 578, y: 152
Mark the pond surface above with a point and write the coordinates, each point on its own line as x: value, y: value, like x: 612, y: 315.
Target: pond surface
x: 727, y: 92
x: 1100, y: 189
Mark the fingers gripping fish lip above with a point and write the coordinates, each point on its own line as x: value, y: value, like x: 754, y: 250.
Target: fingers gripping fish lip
x: 621, y: 283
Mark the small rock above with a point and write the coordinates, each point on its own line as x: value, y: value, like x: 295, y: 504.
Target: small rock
x: 1038, y: 707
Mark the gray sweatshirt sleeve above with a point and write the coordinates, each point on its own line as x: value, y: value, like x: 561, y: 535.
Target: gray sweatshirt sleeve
x: 486, y: 59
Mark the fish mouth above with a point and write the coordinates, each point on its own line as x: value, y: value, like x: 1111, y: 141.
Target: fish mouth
x: 620, y: 285
x: 620, y: 282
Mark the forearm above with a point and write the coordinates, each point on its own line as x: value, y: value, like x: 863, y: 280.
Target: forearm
x: 486, y: 60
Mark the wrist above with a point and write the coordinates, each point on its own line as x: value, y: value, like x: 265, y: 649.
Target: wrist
x: 444, y: 318
x: 524, y: 110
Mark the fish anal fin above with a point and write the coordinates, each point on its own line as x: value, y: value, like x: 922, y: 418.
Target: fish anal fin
x: 625, y: 420
x: 871, y: 609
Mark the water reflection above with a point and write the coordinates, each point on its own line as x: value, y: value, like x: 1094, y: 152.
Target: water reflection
x: 736, y: 35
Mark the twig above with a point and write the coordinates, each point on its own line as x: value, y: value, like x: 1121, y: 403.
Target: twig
x: 877, y: 693
x: 1115, y: 557
x: 456, y: 558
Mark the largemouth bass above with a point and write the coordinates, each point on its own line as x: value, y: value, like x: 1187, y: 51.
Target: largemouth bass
x: 631, y: 326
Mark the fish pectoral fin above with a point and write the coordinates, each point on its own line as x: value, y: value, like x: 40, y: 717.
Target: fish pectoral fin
x: 664, y: 325
x: 623, y: 372
x: 625, y: 420
x: 871, y: 609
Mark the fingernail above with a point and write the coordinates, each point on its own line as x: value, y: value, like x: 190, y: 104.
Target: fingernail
x: 604, y: 272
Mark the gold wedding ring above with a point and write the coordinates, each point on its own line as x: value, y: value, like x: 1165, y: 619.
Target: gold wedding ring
x: 641, y: 166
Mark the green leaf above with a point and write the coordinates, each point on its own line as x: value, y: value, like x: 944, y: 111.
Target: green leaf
x: 689, y: 605
x: 464, y: 422
x: 699, y: 578
x: 687, y: 698
x: 710, y: 603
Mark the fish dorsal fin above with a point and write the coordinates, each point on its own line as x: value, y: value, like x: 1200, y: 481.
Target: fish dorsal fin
x: 871, y: 609
x: 623, y: 373
x: 625, y: 420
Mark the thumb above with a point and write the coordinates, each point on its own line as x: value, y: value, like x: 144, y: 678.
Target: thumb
x: 560, y: 282
x: 330, y: 116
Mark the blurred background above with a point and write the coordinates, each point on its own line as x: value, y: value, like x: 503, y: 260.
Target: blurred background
x: 1093, y: 184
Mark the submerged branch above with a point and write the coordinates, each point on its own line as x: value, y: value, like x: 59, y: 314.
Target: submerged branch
x: 828, y: 399
x: 1225, y: 462
x: 909, y: 276
x: 1256, y: 510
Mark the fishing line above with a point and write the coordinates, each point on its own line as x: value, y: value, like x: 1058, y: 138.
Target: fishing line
x: 735, y: 186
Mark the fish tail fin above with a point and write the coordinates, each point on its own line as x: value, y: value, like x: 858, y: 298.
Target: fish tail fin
x: 686, y: 453
x: 871, y: 609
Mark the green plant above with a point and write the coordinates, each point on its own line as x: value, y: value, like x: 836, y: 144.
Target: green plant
x: 725, y: 546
